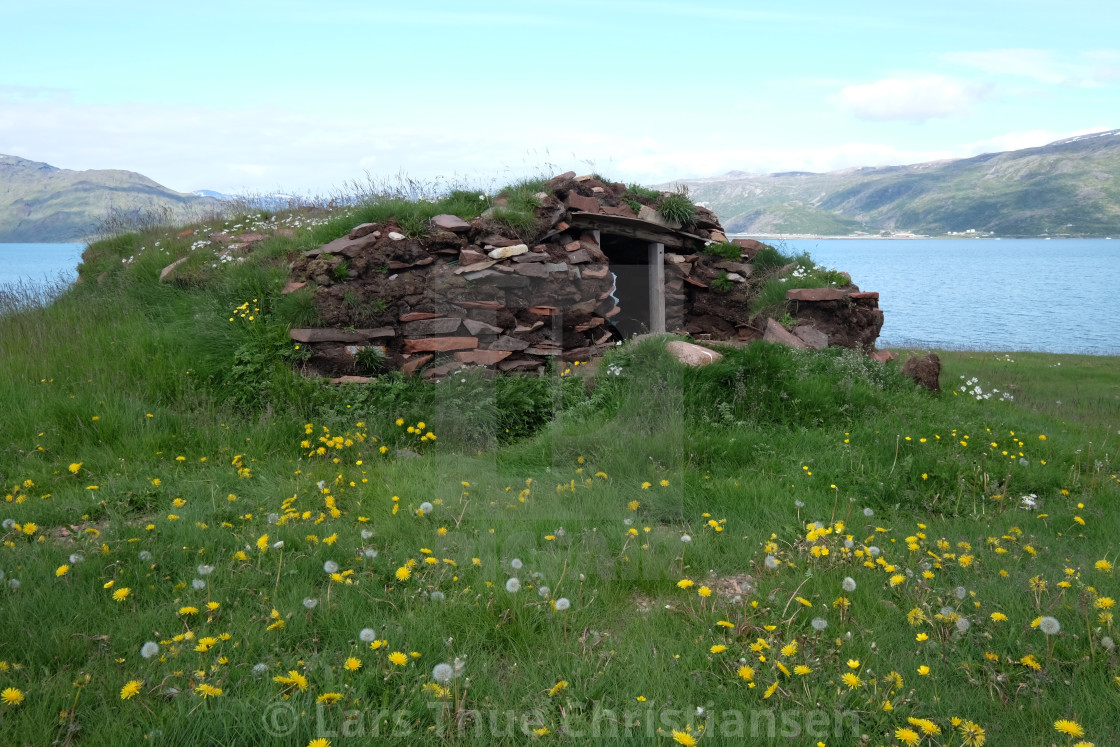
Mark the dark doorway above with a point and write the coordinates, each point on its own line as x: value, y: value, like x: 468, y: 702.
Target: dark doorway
x: 629, y: 262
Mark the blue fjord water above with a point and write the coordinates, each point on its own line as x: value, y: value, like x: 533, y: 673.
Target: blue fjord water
x: 1057, y: 296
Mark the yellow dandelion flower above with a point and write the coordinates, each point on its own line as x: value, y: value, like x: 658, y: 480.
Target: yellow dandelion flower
x: 770, y: 691
x: 704, y: 591
x: 719, y: 648
x: 923, y: 670
x: 557, y: 687
x: 353, y: 664
x: 683, y: 737
x: 208, y: 691
x: 320, y: 742
x: 802, y: 670
x: 399, y: 658
x: 61, y: 571
x: 745, y: 672
x: 1069, y: 728
x: 684, y: 583
x: 851, y: 680
x: 121, y: 594
x: 131, y: 688
x: 909, y: 737
x: 11, y: 696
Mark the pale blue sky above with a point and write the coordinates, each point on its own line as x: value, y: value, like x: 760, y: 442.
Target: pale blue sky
x: 304, y: 96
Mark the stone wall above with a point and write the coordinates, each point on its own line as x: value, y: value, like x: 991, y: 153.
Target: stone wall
x: 480, y: 292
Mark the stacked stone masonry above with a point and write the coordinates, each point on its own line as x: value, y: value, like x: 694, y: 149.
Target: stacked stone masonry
x: 479, y: 292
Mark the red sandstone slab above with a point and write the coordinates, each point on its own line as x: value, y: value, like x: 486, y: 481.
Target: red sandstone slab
x: 488, y: 305
x: 579, y: 202
x: 412, y: 365
x: 815, y: 294
x: 543, y: 310
x: 440, y: 344
x: 417, y: 316
x: 874, y: 295
x: 483, y: 357
x: 292, y: 287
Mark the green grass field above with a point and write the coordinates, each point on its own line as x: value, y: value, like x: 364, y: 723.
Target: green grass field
x: 201, y: 548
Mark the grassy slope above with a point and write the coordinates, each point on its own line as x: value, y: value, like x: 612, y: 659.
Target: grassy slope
x: 193, y: 431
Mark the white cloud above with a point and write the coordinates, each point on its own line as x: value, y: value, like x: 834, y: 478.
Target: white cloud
x: 1090, y: 68
x: 913, y: 99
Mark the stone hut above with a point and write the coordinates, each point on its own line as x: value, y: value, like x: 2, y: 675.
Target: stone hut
x: 599, y: 265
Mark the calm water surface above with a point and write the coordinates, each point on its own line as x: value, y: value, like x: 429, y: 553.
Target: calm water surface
x: 39, y: 263
x: 1057, y: 296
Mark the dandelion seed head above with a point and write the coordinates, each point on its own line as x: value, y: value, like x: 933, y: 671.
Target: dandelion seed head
x: 426, y: 507
x: 259, y: 669
x: 330, y: 566
x: 848, y: 584
x: 562, y: 604
x: 437, y: 596
x: 515, y: 564
x: 145, y: 556
x: 1049, y: 625
x: 13, y: 583
x: 74, y: 559
x: 198, y: 584
x: 370, y: 553
x: 543, y: 592
x: 963, y: 625
x: 771, y: 562
x: 819, y: 623
x: 368, y: 635
x: 366, y: 534
x: 960, y: 592
x: 868, y: 512
x: 149, y: 649
x: 310, y: 603
x: 685, y: 538
x: 205, y: 570
x: 443, y: 672
x: 513, y: 585
x: 874, y: 551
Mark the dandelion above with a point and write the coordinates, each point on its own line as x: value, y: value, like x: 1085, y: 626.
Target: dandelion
x: 963, y: 625
x: 513, y: 585
x: 61, y: 571
x: 259, y: 669
x: 330, y: 567
x: 851, y: 680
x: 198, y: 584
x: 353, y: 664
x: 425, y: 508
x: 75, y: 558
x: 443, y: 672
x: 848, y: 584
x: 208, y: 691
x: 11, y: 696
x: 310, y: 603
x: 1069, y: 728
x: 685, y: 538
x: 130, y: 689
x: 403, y: 573
x: 907, y: 736
x: 205, y: 570
x: 437, y: 596
x: 684, y: 738
x: 367, y: 635
x: 399, y: 658
x: 868, y: 512
x: 121, y: 594
x: 149, y: 649
x: 1049, y: 625
x: 144, y: 556
x: 819, y: 624
x: 515, y: 564
x: 771, y: 562
x: 562, y: 604
x: 923, y: 670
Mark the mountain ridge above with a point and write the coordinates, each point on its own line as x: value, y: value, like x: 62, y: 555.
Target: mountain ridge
x: 1069, y: 187
x: 42, y: 203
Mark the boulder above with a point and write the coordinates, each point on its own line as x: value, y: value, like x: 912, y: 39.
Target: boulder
x: 811, y: 336
x: 365, y: 229
x: 290, y: 287
x: 436, y: 326
x: 692, y: 355
x: 926, y: 371
x: 415, y: 363
x: 778, y: 334
x: 584, y: 204
x: 482, y: 357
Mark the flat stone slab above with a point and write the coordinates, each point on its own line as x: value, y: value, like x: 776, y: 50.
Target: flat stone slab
x: 579, y: 202
x: 171, y: 268
x: 416, y: 316
x: 437, y: 326
x: 351, y: 380
x: 476, y: 327
x: 451, y: 223
x: 778, y: 334
x: 870, y: 295
x: 440, y: 344
x: 291, y: 287
x: 815, y: 294
x: 364, y: 229
x: 483, y: 357
x: 340, y: 335
x: 505, y: 342
x: 692, y: 355
x: 413, y: 364
x: 811, y: 336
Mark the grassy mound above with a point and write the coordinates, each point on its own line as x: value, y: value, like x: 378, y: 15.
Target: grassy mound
x: 201, y: 547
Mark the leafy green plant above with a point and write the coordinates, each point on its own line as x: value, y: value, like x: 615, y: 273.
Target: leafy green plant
x: 640, y: 191
x: 633, y: 204
x: 724, y: 250
x: 341, y: 271
x: 787, y: 321
x: 370, y: 359
x: 768, y: 257
x: 677, y: 206
x: 413, y: 224
x: 722, y: 283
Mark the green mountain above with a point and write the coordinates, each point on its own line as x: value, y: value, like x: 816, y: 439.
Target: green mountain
x: 1067, y: 188
x: 41, y: 203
